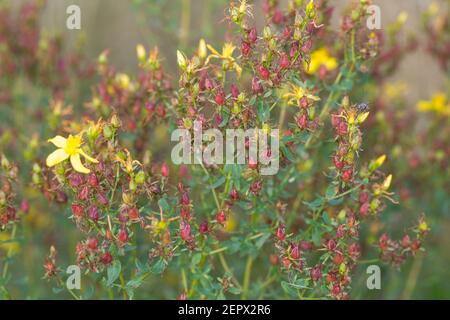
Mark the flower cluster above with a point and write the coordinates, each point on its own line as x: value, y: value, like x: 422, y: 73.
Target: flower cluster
x: 8, y: 209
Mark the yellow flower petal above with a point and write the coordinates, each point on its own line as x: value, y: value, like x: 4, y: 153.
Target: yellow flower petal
x: 56, y: 157
x: 58, y: 141
x: 88, y: 157
x: 214, y: 51
x: 77, y: 165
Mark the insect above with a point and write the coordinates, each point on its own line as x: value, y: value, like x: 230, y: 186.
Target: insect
x: 362, y: 107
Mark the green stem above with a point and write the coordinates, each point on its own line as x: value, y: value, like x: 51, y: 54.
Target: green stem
x: 9, y: 254
x: 247, y: 275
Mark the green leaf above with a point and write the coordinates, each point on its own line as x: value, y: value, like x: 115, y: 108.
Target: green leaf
x: 163, y: 204
x: 218, y: 182
x: 326, y: 218
x: 113, y: 272
x: 158, y: 267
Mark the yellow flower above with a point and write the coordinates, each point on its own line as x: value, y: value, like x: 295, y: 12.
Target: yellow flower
x: 321, y: 57
x: 439, y: 104
x: 140, y: 52
x: 202, y: 51
x: 296, y: 93
x: 226, y: 56
x: 69, y: 148
x: 7, y: 244
x: 395, y: 90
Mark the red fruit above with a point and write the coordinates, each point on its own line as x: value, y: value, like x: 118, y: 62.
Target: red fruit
x: 123, y: 236
x: 185, y: 213
x: 234, y: 195
x: 286, y: 32
x: 203, y: 228
x: 340, y: 231
x: 307, y: 46
x: 415, y: 246
x: 331, y: 277
x: 284, y: 61
x: 293, y: 51
x: 184, y: 200
x: 310, y: 27
x: 84, y: 193
x: 252, y: 163
x: 185, y: 231
x: 286, y: 263
x: 335, y: 120
x: 102, y: 199
x: 92, y: 243
x: 295, y: 253
x: 342, y: 128
x: 133, y: 213
x: 75, y: 179
x: 277, y: 17
x: 331, y: 245
x: 364, y: 209
x: 383, y: 242
x: 106, y: 258
x: 347, y: 175
x: 316, y: 273
x: 338, y: 258
x: 363, y: 197
x: 304, y: 103
x: 165, y: 170
x: 77, y: 210
x: 281, y: 233
x: 234, y: 91
x: 337, y: 162
x: 335, y: 290
x: 209, y: 85
x: 252, y: 35
x: 302, y: 122
x: 406, y: 241
x: 92, y: 180
x: 221, y: 217
x: 354, y: 250
x: 220, y: 97
x: 245, y: 48
x: 93, y: 213
x: 263, y: 72
x: 256, y: 86
x: 256, y: 187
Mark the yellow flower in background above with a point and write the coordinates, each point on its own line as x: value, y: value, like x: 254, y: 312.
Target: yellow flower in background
x: 226, y: 56
x: 69, y: 148
x: 231, y: 223
x: 8, y: 245
x: 395, y: 90
x: 296, y: 93
x: 439, y: 103
x: 321, y: 57
x: 202, y: 50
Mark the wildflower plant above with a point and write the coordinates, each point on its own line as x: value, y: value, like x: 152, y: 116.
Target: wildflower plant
x: 227, y: 230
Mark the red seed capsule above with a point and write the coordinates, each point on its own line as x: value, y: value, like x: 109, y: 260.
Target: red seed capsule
x: 107, y: 258
x: 123, y: 236
x: 263, y: 72
x: 221, y: 217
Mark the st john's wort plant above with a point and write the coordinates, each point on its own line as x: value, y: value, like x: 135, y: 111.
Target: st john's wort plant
x: 298, y: 231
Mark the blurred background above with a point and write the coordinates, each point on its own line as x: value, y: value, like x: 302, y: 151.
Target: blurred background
x: 171, y: 24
